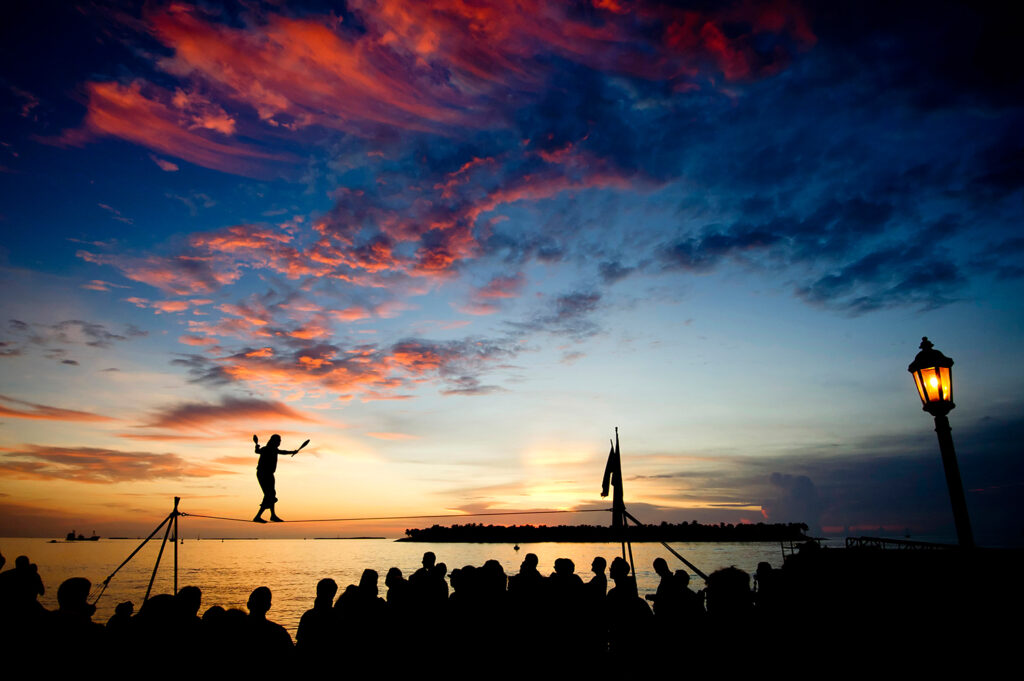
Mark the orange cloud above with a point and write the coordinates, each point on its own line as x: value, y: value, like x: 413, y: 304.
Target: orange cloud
x: 351, y: 314
x: 127, y: 112
x: 303, y: 71
x: 192, y: 339
x: 178, y: 275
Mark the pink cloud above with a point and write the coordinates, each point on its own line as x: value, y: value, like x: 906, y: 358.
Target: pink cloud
x: 392, y: 436
x: 202, y: 415
x: 164, y: 164
x: 502, y: 287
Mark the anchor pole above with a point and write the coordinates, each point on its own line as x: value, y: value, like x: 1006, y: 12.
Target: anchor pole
x: 176, y: 514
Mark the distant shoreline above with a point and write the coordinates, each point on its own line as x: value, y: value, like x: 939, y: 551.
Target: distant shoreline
x: 682, y: 532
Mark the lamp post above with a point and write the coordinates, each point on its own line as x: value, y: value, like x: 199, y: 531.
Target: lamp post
x: 933, y: 376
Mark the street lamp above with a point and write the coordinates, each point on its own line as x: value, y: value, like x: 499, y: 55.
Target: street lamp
x: 933, y: 376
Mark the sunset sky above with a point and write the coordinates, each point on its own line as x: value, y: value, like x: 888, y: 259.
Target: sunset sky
x: 455, y: 243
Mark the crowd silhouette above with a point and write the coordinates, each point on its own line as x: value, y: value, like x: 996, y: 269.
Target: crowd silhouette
x: 475, y: 615
x: 479, y: 618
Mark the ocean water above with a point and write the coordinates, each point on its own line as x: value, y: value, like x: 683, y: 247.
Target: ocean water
x: 227, y: 571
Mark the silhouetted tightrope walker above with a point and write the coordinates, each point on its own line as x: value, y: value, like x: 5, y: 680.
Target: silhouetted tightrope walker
x: 265, y: 474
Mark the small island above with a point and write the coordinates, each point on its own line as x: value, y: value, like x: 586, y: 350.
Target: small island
x: 682, y: 532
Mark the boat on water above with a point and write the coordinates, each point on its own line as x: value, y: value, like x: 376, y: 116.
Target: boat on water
x: 81, y: 537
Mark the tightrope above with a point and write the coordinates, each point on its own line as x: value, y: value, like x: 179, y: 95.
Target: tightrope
x: 398, y: 517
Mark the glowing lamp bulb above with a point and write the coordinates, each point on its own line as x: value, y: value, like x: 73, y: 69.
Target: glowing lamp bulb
x: 933, y: 378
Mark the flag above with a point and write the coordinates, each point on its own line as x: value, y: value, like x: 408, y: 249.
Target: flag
x: 609, y: 470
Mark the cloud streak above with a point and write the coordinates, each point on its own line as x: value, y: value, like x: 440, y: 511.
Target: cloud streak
x: 45, y: 412
x: 98, y: 465
x: 207, y: 416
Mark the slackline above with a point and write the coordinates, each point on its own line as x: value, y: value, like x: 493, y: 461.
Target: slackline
x: 397, y: 517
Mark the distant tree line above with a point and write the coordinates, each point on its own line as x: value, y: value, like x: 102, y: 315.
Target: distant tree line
x: 692, y: 531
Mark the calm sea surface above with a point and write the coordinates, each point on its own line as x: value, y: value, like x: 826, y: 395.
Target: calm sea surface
x: 227, y: 571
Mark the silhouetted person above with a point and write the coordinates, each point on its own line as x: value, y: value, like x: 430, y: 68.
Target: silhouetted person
x: 597, y: 587
x: 593, y: 612
x: 691, y: 603
x: 218, y: 643
x: 187, y: 602
x: 729, y: 599
x: 529, y: 582
x: 439, y: 584
x: 121, y: 619
x: 361, y: 615
x: 422, y: 575
x: 566, y: 596
x: 70, y: 629
x: 429, y: 589
x: 317, y: 626
x: 767, y: 590
x: 398, y: 594
x: 629, y: 617
x: 265, y: 470
x: 667, y: 599
x: 269, y: 646
x: 20, y: 587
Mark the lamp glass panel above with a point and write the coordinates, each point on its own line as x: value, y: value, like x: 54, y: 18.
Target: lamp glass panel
x: 930, y: 378
x: 946, y: 383
x: 920, y: 387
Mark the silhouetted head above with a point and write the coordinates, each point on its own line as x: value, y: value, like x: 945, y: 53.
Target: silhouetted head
x: 531, y: 560
x: 274, y: 441
x: 368, y: 582
x: 21, y: 563
x: 661, y: 567
x: 440, y: 570
x: 124, y: 609
x: 393, y: 578
x: 73, y: 596
x: 494, y: 567
x: 428, y: 559
x: 728, y: 592
x: 326, y: 588
x: 763, y: 568
x: 564, y: 567
x: 619, y: 568
x: 233, y: 617
x: 213, y: 613
x: 350, y: 594
x: 189, y: 599
x: 598, y: 565
x: 682, y: 578
x: 159, y: 608
x: 259, y: 601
